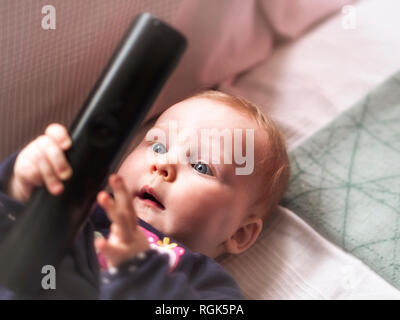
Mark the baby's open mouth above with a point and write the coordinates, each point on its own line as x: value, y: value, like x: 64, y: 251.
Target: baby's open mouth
x: 148, y: 195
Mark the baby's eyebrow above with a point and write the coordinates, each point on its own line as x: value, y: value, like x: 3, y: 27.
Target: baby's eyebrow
x: 160, y: 125
x: 156, y: 128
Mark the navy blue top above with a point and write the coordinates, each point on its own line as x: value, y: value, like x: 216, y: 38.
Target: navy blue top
x: 163, y: 272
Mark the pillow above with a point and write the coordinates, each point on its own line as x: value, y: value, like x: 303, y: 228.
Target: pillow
x: 289, y: 18
x: 306, y: 83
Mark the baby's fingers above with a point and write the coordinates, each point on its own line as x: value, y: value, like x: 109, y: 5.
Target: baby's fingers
x: 55, y: 156
x: 119, y: 210
x: 123, y: 201
x: 33, y: 168
x: 60, y: 135
x: 120, y: 227
x: 107, y: 202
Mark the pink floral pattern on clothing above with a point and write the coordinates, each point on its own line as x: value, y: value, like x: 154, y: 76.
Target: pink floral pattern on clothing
x: 164, y: 247
x: 173, y: 251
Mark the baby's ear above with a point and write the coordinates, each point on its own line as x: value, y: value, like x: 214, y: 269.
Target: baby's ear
x: 245, y: 235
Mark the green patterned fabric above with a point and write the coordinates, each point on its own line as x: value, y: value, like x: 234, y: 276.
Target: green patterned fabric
x: 346, y: 180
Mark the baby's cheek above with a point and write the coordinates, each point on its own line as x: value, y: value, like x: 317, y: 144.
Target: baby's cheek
x: 131, y: 170
x: 199, y: 205
x: 194, y: 198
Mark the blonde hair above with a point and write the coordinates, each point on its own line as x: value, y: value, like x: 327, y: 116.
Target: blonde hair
x: 274, y: 169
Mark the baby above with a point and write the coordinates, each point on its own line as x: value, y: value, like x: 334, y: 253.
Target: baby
x: 177, y: 200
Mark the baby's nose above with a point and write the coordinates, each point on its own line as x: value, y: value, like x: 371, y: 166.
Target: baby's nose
x: 166, y: 170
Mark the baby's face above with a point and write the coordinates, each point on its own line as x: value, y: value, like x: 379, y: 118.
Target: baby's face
x: 199, y: 203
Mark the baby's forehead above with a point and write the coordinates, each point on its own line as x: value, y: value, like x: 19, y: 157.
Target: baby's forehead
x: 205, y: 113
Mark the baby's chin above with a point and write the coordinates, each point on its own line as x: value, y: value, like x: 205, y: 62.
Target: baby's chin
x: 160, y: 224
x: 153, y: 219
x: 160, y: 221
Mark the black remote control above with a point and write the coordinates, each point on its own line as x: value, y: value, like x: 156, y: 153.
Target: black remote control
x: 102, y: 130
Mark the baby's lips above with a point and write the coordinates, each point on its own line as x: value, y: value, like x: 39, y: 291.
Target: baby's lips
x: 147, y: 192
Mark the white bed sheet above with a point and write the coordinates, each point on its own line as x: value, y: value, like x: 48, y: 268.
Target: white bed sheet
x: 292, y: 261
x: 304, y: 85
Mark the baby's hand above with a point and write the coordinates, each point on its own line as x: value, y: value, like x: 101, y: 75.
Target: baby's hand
x: 126, y: 239
x: 42, y: 161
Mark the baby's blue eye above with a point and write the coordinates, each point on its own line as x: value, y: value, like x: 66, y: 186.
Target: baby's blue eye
x: 159, y: 147
x: 202, y: 168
